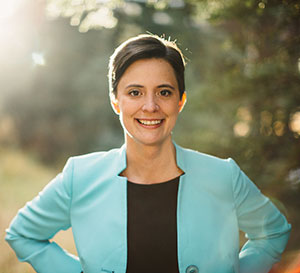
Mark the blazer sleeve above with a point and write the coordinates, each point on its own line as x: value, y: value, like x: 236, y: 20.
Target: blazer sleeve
x: 38, y: 221
x: 266, y: 229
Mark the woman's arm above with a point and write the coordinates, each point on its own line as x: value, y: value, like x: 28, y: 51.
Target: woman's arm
x: 266, y: 228
x: 39, y: 221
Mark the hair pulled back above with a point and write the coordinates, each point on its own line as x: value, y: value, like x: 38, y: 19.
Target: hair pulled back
x: 145, y: 46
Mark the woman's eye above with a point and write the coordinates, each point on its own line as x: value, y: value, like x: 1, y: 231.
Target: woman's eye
x: 134, y: 93
x: 165, y: 93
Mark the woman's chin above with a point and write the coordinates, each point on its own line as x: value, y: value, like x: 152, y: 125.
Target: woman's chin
x: 148, y: 141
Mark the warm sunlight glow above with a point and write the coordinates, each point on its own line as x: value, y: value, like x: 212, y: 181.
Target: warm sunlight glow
x: 294, y: 267
x: 7, y: 8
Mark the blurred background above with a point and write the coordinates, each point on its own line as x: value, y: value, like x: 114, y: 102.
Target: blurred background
x: 242, y: 81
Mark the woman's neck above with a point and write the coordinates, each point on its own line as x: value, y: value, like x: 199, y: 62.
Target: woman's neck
x: 151, y: 163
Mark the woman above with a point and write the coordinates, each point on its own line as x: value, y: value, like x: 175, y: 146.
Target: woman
x: 150, y: 206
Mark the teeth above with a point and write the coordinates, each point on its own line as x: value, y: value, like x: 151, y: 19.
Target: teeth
x: 150, y: 122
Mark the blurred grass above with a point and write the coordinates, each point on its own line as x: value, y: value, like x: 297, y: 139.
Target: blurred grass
x: 21, y: 178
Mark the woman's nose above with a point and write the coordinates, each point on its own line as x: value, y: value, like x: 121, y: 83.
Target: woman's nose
x: 150, y: 104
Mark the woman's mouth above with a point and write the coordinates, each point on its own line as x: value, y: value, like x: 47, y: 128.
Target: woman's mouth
x: 151, y: 122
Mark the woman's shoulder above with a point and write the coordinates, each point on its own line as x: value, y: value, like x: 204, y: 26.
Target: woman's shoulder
x: 203, y: 163
x: 103, y: 159
x: 194, y: 156
x: 96, y: 155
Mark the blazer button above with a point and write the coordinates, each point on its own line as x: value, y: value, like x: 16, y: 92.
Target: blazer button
x: 192, y: 269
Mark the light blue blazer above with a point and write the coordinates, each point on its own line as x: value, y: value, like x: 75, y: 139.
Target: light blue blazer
x: 215, y: 200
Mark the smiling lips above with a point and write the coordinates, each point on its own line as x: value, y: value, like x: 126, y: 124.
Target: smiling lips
x: 147, y: 122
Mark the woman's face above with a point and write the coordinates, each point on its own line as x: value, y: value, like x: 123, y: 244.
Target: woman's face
x: 148, y: 101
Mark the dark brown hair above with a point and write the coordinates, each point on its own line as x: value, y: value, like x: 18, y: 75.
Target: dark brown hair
x: 145, y: 46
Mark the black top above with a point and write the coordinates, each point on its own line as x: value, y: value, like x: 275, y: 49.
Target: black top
x: 152, y: 227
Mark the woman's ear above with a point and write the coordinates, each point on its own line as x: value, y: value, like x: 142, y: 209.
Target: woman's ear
x: 115, y: 104
x: 182, y: 101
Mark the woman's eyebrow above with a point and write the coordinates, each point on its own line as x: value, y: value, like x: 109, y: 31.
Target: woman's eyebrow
x: 159, y: 86
x: 166, y: 85
x: 134, y: 85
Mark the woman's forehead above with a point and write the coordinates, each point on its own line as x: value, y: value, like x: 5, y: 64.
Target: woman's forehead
x: 145, y: 70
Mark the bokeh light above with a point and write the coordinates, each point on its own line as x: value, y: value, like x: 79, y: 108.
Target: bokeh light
x: 241, y: 129
x: 295, y: 123
x: 38, y: 58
